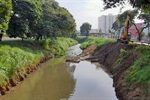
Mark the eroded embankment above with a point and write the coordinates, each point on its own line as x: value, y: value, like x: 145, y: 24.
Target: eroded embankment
x: 21, y: 75
x: 118, y: 58
x: 18, y: 59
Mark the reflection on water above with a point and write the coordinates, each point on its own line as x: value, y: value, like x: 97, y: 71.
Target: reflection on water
x: 92, y: 83
x: 52, y: 82
x: 58, y: 80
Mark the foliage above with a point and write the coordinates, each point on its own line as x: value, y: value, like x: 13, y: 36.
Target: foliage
x: 81, y: 39
x: 5, y: 13
x: 40, y: 19
x: 13, y: 59
x: 85, y: 29
x: 26, y: 14
x: 94, y: 40
x: 123, y: 16
x: 121, y: 19
x: 140, y: 4
x: 56, y: 21
x: 59, y: 46
x: 146, y: 18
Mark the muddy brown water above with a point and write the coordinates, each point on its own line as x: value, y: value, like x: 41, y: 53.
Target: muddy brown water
x: 58, y: 80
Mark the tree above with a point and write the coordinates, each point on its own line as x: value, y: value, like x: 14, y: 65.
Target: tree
x: 121, y: 19
x: 146, y: 18
x: 140, y: 4
x: 56, y: 21
x: 117, y: 25
x: 85, y: 29
x: 25, y: 17
x: 5, y: 13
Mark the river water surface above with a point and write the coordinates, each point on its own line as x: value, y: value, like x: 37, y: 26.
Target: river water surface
x: 58, y: 80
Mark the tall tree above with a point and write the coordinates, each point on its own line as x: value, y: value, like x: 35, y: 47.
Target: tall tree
x: 85, y: 29
x: 5, y: 13
x: 56, y: 20
x: 26, y: 14
x: 121, y: 18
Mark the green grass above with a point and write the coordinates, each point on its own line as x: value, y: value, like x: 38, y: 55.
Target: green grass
x: 13, y: 59
x: 95, y: 40
x: 59, y: 46
x: 139, y: 72
x: 17, y: 55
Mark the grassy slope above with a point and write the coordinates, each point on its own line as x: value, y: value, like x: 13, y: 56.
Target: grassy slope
x: 139, y: 72
x: 17, y: 55
x: 95, y: 40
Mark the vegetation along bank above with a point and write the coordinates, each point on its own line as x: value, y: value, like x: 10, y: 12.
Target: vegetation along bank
x: 128, y: 64
x: 18, y: 59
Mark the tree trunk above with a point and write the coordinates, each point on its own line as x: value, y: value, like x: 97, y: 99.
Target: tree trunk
x: 139, y: 38
x: 1, y: 35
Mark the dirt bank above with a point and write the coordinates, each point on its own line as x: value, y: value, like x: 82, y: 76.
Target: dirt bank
x: 118, y: 65
x: 21, y: 75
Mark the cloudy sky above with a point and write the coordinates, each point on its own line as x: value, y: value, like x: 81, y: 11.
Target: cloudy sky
x: 88, y: 10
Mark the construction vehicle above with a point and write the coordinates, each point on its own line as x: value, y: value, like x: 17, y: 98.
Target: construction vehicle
x: 125, y: 36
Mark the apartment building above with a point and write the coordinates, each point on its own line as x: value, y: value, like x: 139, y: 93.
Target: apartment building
x: 105, y: 22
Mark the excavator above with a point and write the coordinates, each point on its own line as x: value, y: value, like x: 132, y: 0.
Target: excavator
x: 125, y: 36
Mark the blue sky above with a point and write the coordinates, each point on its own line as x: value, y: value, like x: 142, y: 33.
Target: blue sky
x: 88, y: 10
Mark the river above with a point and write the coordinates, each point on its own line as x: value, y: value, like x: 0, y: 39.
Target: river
x: 58, y: 80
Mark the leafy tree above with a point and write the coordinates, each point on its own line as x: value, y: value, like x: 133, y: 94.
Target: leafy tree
x: 56, y: 21
x: 26, y: 14
x: 41, y: 19
x: 66, y: 23
x: 146, y: 18
x: 5, y: 13
x: 117, y: 26
x: 121, y: 19
x: 140, y: 4
x: 85, y: 29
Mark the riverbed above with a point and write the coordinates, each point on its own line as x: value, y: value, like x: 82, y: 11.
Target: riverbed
x: 58, y: 80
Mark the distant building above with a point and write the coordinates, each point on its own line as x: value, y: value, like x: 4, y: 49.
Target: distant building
x: 105, y: 22
x: 94, y: 32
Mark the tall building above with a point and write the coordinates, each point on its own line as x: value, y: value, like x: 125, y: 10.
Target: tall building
x: 105, y: 22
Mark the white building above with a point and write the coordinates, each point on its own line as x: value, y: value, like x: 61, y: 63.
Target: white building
x: 105, y: 22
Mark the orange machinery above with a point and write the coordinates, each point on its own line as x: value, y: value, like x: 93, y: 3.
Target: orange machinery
x: 125, y: 35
